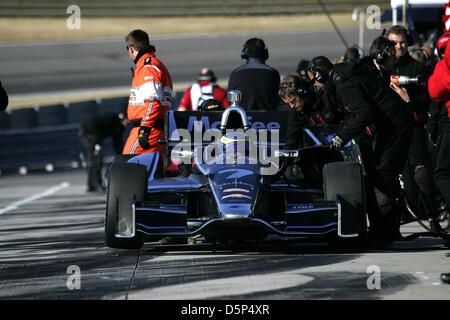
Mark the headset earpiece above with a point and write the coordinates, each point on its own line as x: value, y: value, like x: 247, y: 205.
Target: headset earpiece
x: 244, y: 52
x: 320, y: 75
x: 302, y: 90
x: 382, y: 55
x: 379, y: 57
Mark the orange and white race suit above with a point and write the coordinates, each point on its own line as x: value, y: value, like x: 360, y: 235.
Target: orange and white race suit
x: 150, y: 98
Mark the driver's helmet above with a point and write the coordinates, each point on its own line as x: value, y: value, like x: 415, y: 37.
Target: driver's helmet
x: 210, y: 105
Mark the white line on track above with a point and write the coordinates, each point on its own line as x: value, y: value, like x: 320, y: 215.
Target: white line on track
x: 43, y: 194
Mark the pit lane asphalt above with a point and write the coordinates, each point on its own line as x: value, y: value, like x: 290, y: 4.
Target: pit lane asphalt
x: 48, y: 223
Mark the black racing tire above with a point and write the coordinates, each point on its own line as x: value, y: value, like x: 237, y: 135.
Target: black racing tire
x: 344, y: 181
x: 123, y: 158
x: 127, y: 184
x: 120, y: 158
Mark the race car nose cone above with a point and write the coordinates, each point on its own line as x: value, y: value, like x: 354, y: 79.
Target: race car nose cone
x: 235, y: 211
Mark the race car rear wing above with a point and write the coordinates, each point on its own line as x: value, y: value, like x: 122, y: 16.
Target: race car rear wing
x: 197, y: 123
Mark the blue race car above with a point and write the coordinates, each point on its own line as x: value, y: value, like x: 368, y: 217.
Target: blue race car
x: 313, y: 192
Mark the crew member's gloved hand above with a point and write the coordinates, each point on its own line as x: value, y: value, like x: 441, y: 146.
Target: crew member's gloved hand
x: 337, y: 143
x: 144, y: 133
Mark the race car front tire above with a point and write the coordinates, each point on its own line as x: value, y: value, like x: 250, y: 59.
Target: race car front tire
x: 127, y: 185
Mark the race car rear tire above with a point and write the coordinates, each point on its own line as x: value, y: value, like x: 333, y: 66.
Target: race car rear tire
x: 127, y: 184
x: 343, y: 181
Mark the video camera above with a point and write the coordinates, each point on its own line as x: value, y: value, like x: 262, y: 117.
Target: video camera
x: 405, y: 80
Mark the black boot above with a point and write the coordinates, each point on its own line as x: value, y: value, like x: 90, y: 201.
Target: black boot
x: 435, y: 226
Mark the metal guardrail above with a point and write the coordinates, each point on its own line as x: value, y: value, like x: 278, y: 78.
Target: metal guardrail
x: 54, y: 8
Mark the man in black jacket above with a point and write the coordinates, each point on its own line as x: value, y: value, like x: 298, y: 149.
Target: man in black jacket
x: 305, y: 108
x: 417, y: 174
x: 3, y: 98
x: 370, y: 105
x: 257, y: 81
x: 299, y: 99
x: 92, y: 133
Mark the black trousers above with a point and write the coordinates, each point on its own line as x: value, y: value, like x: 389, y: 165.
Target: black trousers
x: 383, y: 161
x: 382, y: 189
x: 418, y: 175
x: 442, y: 169
x: 94, y: 160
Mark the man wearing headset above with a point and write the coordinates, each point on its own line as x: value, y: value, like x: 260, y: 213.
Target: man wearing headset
x: 257, y: 82
x: 304, y: 107
x: 377, y: 120
x: 299, y: 97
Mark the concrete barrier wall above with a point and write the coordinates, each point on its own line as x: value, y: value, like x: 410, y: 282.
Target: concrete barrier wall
x: 53, y: 8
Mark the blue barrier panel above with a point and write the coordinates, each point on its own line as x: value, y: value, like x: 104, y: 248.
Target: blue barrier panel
x: 52, y: 115
x: 23, y: 118
x: 79, y: 111
x: 113, y: 105
x: 35, y: 148
x: 4, y: 121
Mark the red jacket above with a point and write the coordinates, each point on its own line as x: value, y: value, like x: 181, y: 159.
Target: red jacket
x: 195, y: 95
x: 439, y: 82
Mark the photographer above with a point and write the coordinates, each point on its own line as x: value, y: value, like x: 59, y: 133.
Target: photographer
x: 417, y: 174
x: 369, y: 104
